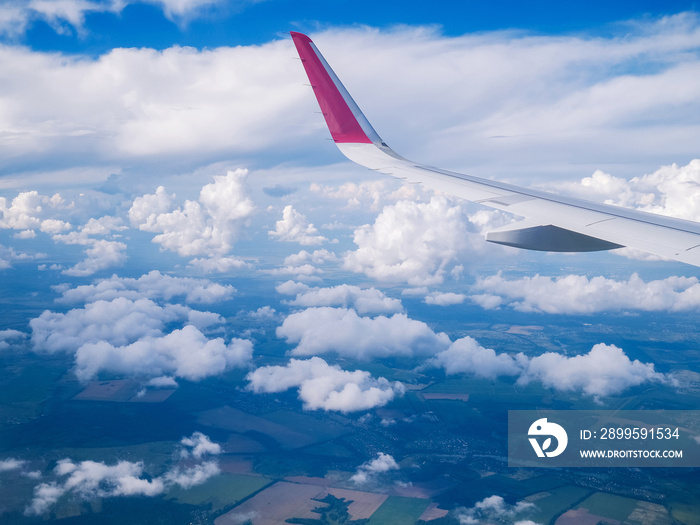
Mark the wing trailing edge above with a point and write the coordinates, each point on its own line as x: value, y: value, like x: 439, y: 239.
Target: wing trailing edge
x: 552, y: 222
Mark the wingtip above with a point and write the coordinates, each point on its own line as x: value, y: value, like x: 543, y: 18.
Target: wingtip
x: 299, y: 36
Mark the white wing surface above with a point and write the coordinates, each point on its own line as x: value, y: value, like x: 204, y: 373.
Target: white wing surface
x: 551, y: 222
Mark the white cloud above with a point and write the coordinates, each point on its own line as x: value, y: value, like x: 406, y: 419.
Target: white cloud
x: 537, y: 97
x: 30, y: 210
x: 315, y: 257
x: 153, y: 285
x: 368, y: 471
x: 191, y: 476
x: 445, y: 298
x: 120, y: 321
x: 100, y: 256
x: 466, y: 356
x: 671, y: 190
x: 577, y: 294
x: 90, y: 479
x: 413, y: 242
x: 293, y: 227
x: 364, y: 301
x: 127, y: 337
x: 341, y: 330
x: 322, y: 386
x: 9, y: 335
x: 9, y: 464
x: 185, y: 353
x: 198, y: 445
x: 375, y: 193
x: 604, y: 371
x: 209, y: 226
x: 494, y: 509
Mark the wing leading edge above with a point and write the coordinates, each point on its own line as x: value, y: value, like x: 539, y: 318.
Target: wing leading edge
x: 552, y: 222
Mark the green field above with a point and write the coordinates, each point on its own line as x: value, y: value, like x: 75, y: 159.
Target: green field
x: 220, y: 491
x: 556, y: 501
x: 609, y: 506
x: 399, y: 511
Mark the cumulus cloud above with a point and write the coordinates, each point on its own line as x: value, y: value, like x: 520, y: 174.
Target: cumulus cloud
x: 368, y: 471
x: 9, y: 464
x: 324, y: 386
x: 293, y: 227
x: 364, y: 301
x: 124, y: 336
x: 209, y: 226
x: 604, y: 371
x: 445, y: 298
x: 120, y: 321
x: 100, y: 256
x: 413, y: 242
x: 341, y: 330
x: 671, y: 190
x: 495, y: 509
x: 198, y: 445
x: 185, y: 353
x: 374, y: 193
x: 577, y: 294
x: 6, y: 336
x: 31, y: 211
x: 90, y: 479
x: 153, y: 285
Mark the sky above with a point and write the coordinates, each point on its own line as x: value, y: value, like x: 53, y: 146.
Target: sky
x: 167, y: 187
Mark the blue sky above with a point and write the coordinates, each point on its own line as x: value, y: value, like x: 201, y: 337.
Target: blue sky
x: 157, y: 198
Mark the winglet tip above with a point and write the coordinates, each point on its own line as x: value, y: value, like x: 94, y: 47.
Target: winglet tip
x: 296, y: 36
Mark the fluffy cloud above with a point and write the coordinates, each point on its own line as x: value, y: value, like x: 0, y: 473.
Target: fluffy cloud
x: 141, y: 103
x: 90, y: 479
x: 9, y: 335
x: 445, y: 298
x: 604, y: 371
x: 375, y: 192
x: 120, y: 322
x: 68, y: 16
x: 577, y: 294
x: 209, y: 226
x: 100, y: 256
x: 495, y: 509
x: 125, y: 336
x: 293, y: 227
x: 671, y: 190
x: 369, y: 470
x: 413, y: 242
x: 153, y: 285
x: 30, y: 211
x: 322, y: 386
x: 185, y: 353
x: 364, y: 301
x: 341, y: 330
x: 198, y: 445
x: 466, y: 356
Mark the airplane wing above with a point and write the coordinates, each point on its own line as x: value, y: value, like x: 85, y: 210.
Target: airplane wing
x: 551, y: 222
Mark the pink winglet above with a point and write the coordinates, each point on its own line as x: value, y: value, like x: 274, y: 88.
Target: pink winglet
x: 341, y: 121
